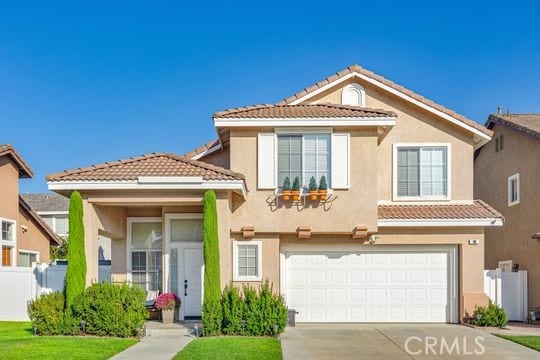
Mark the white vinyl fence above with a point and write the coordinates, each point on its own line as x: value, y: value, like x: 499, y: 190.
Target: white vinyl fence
x: 508, y: 290
x: 22, y: 284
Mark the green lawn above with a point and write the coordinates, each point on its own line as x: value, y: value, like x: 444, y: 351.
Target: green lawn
x: 532, y: 342
x: 232, y: 347
x: 17, y: 341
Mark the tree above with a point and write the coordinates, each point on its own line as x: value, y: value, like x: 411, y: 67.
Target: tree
x: 212, y: 312
x: 76, y: 268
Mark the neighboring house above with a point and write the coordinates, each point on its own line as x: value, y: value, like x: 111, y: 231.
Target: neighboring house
x: 25, y: 237
x: 508, y: 177
x: 399, y: 239
x: 54, y: 209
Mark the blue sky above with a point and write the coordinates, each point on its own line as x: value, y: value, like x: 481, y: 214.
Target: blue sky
x: 83, y: 83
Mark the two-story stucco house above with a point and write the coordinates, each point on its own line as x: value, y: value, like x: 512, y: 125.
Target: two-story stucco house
x: 25, y: 237
x: 508, y: 176
x: 399, y: 237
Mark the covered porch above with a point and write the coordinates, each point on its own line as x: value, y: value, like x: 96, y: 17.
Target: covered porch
x: 151, y: 207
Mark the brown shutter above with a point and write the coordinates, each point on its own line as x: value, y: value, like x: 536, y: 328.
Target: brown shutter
x: 6, y: 256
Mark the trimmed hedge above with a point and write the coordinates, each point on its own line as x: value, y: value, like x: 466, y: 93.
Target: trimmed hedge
x: 211, y: 309
x: 76, y: 268
x: 492, y: 315
x: 112, y: 310
x: 109, y: 310
x: 253, y: 313
x: 49, y: 317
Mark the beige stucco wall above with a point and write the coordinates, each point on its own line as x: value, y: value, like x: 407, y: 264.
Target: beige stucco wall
x: 33, y: 238
x: 9, y: 189
x: 219, y: 158
x: 413, y: 125
x: 521, y: 154
x: 355, y: 206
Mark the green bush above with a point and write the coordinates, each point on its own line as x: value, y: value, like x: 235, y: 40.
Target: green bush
x: 76, y: 269
x: 492, y: 315
x: 313, y: 184
x: 112, y: 310
x: 212, y: 316
x: 233, y: 311
x: 322, y: 184
x: 287, y: 184
x: 48, y: 316
x: 296, y: 184
x: 253, y: 313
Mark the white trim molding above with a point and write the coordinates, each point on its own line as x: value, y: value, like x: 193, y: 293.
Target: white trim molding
x: 53, y: 212
x: 439, y: 222
x: 10, y: 243
x: 481, y: 138
x: 234, y: 185
x: 304, y: 122
x: 209, y: 151
x: 515, y: 178
x: 356, y: 88
x: 447, y: 197
x: 238, y: 277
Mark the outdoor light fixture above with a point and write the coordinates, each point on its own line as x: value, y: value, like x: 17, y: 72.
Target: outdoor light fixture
x: 196, y: 327
x: 35, y: 330
x: 275, y: 328
x: 83, y: 324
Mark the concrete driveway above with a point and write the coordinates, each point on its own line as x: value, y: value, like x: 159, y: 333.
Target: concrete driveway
x: 397, y: 341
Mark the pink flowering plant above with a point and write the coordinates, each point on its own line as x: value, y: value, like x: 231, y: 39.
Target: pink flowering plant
x: 167, y: 301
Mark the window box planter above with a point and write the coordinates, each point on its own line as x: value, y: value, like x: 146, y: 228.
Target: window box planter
x: 286, y: 195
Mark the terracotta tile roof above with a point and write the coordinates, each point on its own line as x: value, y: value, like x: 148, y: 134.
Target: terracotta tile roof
x: 302, y: 111
x: 358, y: 69
x: 24, y: 168
x: 155, y: 164
x: 527, y: 123
x: 47, y: 202
x: 201, y: 149
x: 477, y: 210
x: 40, y: 222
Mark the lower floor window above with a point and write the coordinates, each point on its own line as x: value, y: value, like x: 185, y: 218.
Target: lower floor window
x: 247, y: 260
x: 27, y: 258
x: 146, y: 269
x: 6, y: 255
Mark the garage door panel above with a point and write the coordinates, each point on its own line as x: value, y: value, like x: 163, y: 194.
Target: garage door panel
x: 394, y: 286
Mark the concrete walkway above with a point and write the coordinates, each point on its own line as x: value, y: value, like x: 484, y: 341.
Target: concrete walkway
x: 391, y: 341
x: 160, y: 343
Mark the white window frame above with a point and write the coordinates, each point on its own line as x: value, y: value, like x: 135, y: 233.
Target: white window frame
x: 395, y: 195
x: 514, y: 177
x: 304, y: 183
x: 23, y: 251
x: 12, y: 244
x: 354, y: 87
x: 129, y: 244
x: 53, y: 215
x: 238, y: 277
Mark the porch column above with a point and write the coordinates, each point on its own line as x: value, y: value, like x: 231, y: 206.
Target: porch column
x: 90, y: 242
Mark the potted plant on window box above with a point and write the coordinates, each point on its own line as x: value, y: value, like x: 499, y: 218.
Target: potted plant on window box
x: 168, y: 303
x: 286, y: 189
x: 296, y: 189
x: 313, y: 190
x: 323, y: 188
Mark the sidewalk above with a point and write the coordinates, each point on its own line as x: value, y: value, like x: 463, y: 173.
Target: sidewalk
x: 160, y: 343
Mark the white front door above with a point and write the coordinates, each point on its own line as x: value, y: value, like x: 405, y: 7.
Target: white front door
x: 191, y: 267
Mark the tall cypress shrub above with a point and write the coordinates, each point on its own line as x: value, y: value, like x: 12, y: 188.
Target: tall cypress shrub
x: 76, y: 268
x: 212, y: 316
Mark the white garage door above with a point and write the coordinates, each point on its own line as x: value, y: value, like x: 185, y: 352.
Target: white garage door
x: 397, y: 285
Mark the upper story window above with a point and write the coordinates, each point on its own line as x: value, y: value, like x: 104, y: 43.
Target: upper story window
x: 8, y: 228
x: 303, y: 156
x: 513, y: 190
x: 58, y: 222
x: 353, y: 94
x: 499, y: 143
x: 421, y: 171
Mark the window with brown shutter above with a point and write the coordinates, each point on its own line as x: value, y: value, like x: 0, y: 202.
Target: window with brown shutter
x: 6, y: 256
